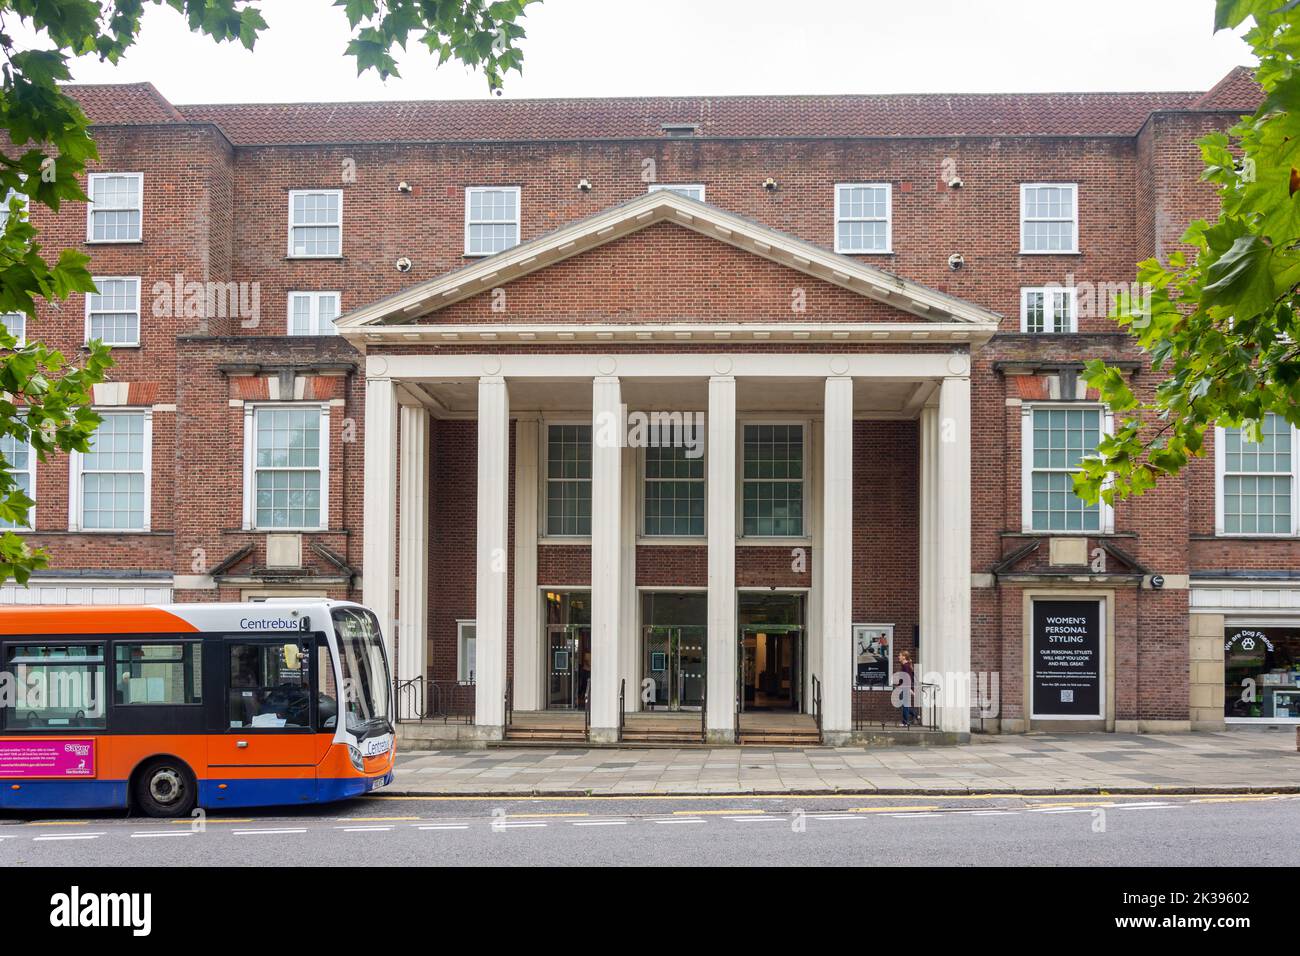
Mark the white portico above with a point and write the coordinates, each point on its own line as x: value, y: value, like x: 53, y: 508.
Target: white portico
x: 819, y: 377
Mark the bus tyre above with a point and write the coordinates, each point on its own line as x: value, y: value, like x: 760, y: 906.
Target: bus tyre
x: 165, y: 788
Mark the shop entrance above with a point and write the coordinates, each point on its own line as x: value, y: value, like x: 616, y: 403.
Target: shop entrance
x: 674, y: 639
x: 773, y: 647
x: 568, y: 649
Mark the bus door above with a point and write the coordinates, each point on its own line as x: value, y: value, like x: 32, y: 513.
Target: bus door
x: 268, y: 707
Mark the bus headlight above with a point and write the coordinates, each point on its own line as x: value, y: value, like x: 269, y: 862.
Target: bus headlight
x: 358, y: 762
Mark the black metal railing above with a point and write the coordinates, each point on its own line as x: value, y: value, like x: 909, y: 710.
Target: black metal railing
x: 419, y: 699
x: 586, y: 714
x: 736, y: 725
x: 622, y: 711
x: 930, y: 706
x: 704, y: 713
x: 817, y: 705
x: 510, y: 700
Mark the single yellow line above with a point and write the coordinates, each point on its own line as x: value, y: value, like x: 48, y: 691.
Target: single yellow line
x: 448, y: 797
x: 58, y: 823
x: 188, y: 821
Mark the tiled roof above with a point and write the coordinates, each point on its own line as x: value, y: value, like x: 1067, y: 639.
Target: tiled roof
x: 1236, y: 91
x: 999, y: 114
x: 127, y: 104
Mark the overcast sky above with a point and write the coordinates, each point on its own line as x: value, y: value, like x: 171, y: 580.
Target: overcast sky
x: 638, y: 47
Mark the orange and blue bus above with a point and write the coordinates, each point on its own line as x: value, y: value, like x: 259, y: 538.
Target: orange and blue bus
x: 162, y: 709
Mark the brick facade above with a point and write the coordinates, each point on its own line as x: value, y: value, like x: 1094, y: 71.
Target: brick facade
x: 216, y: 183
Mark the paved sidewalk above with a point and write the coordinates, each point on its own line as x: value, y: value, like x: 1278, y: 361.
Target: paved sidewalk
x: 1246, y: 760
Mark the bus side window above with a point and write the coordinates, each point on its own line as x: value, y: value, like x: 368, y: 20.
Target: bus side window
x: 268, y: 687
x: 327, y: 693
x: 58, y: 686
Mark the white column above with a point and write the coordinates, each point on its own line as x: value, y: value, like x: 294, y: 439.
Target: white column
x: 527, y: 623
x: 928, y: 436
x: 815, y: 629
x: 606, y: 553
x: 379, y: 526
x: 837, y: 566
x: 413, y: 544
x: 952, y: 599
x: 721, y: 518
x: 491, y: 566
x: 629, y: 633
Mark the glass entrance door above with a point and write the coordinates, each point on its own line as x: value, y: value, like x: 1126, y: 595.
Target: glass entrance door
x: 675, y: 662
x: 568, y: 662
x: 769, y: 668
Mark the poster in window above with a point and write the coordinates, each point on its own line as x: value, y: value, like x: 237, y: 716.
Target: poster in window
x: 873, y: 656
x: 1067, y: 659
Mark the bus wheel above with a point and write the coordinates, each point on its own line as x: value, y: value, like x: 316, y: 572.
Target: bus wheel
x: 165, y: 788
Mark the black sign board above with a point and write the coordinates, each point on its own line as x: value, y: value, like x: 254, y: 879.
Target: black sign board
x: 1067, y: 659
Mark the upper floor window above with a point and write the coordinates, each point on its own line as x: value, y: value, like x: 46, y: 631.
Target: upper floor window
x: 862, y: 217
x: 1049, y: 217
x: 7, y: 208
x: 315, y: 223
x: 773, y: 481
x: 1257, y: 480
x: 15, y: 324
x: 111, y: 480
x: 22, y: 466
x: 286, y: 477
x: 674, y: 491
x: 1055, y: 440
x: 693, y: 191
x: 313, y: 313
x: 113, y: 312
x: 1049, y: 309
x: 568, y: 479
x: 114, y: 213
x: 491, y: 219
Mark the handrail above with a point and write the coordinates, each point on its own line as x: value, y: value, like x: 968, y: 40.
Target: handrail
x: 817, y: 705
x: 704, y: 711
x: 622, y: 691
x: 586, y: 714
x: 928, y: 702
x: 510, y: 699
x: 736, y: 726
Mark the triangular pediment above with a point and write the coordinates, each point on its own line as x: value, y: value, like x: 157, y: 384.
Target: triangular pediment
x: 908, y: 307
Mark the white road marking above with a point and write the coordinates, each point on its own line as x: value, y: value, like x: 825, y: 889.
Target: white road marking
x: 763, y: 818
x: 836, y: 816
x: 444, y: 826
x: 363, y: 829
x: 680, y: 820
x: 600, y: 823
x: 1066, y: 810
x: 70, y: 836
x: 163, y: 833
x: 910, y: 815
x: 993, y: 813
x: 516, y: 826
x: 1157, y: 806
x: 270, y: 831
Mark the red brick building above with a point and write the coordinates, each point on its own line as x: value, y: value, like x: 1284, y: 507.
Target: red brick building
x: 554, y: 311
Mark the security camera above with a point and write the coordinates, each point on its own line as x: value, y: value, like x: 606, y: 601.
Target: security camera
x: 956, y: 261
x: 584, y: 185
x: 955, y: 183
x: 404, y: 264
x: 405, y: 187
x: 769, y: 184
